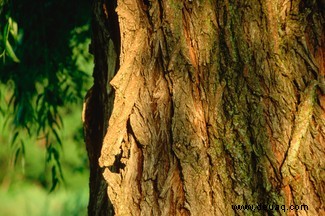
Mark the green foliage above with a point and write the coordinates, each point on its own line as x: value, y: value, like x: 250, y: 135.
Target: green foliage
x: 45, y: 69
x: 30, y: 190
x: 10, y: 29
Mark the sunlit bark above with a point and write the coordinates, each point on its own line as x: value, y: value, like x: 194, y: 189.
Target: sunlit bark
x: 201, y: 105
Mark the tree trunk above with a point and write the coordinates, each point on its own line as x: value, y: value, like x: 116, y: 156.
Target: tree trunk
x: 198, y: 106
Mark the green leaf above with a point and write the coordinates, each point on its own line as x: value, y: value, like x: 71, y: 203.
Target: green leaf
x: 14, y: 137
x: 23, y: 153
x: 60, y: 120
x: 5, y: 34
x: 11, y: 52
x: 22, y: 147
x: 16, y: 156
x: 39, y: 98
x: 57, y: 137
x: 19, y: 118
x: 56, y: 155
x: 61, y: 172
x: 13, y: 28
x: 55, y: 179
x: 49, y: 152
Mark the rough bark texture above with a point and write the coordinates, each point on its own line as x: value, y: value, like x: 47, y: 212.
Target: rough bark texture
x: 215, y: 103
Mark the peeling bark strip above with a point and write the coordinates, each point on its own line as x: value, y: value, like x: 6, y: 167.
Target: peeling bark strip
x: 216, y: 103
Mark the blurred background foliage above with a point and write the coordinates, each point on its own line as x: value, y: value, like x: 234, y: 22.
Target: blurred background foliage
x: 45, y: 70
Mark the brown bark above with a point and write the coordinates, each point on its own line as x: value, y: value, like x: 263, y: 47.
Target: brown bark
x: 216, y: 103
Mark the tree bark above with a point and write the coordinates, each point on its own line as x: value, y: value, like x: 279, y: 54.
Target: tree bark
x: 201, y: 105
